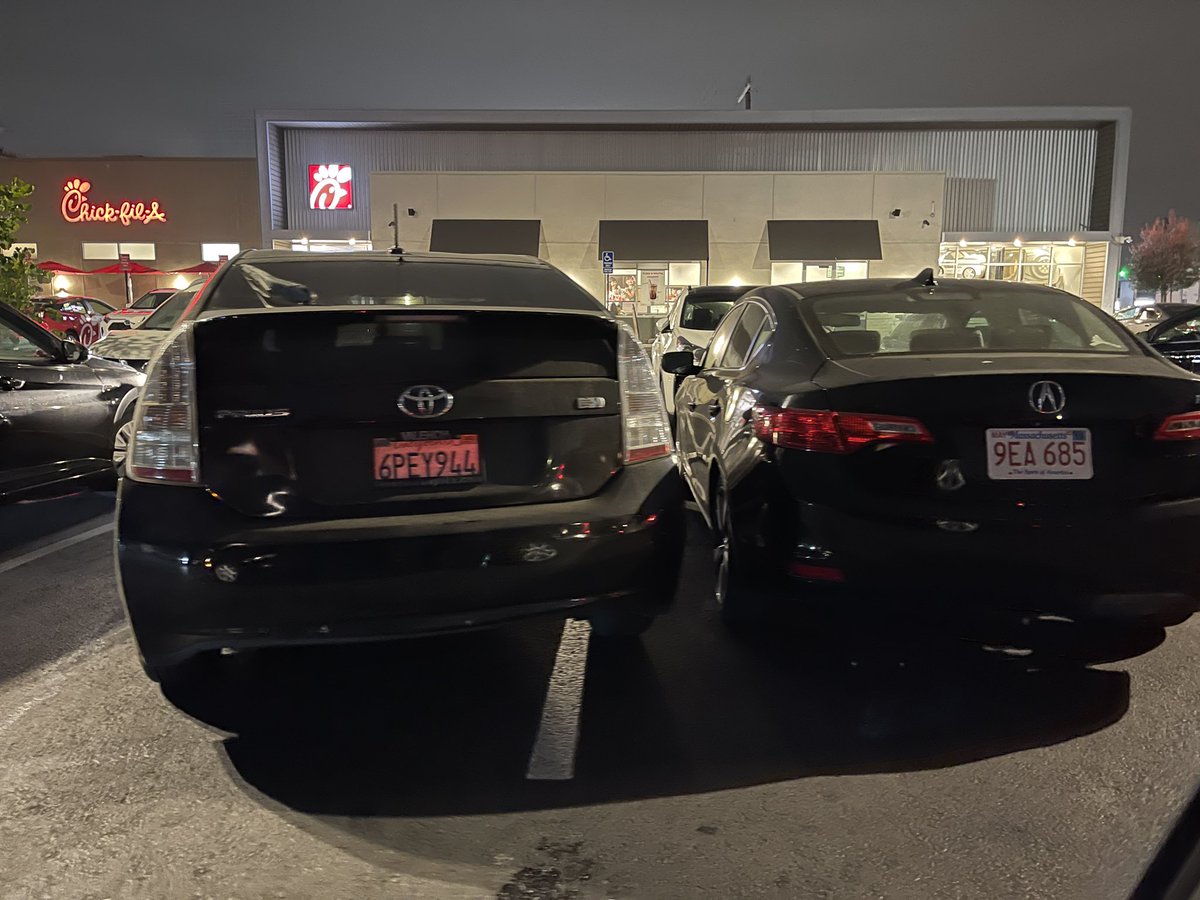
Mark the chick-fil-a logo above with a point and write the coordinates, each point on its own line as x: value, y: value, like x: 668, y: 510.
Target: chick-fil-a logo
x: 77, y: 208
x: 330, y: 186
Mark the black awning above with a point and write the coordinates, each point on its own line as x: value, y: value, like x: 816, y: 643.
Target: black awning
x: 662, y: 241
x: 521, y: 236
x: 791, y: 239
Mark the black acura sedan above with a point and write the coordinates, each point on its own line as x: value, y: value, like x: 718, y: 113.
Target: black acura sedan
x: 966, y: 438
x: 349, y: 447
x: 65, y: 415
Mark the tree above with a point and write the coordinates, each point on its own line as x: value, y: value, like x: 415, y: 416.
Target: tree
x: 1167, y: 258
x: 20, y: 278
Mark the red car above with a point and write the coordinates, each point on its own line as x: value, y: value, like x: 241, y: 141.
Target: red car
x: 79, y: 319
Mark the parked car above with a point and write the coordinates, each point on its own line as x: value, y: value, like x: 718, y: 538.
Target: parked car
x: 65, y: 415
x: 988, y: 455
x: 1140, y: 319
x: 347, y: 447
x: 135, y: 347
x: 78, y: 319
x: 139, y: 310
x: 1178, y: 338
x: 690, y: 324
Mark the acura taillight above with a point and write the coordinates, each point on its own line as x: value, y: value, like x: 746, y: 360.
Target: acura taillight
x: 647, y: 434
x: 165, y: 446
x: 1183, y: 427
x: 825, y: 431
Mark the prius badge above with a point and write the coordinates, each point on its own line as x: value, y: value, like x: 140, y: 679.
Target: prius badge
x: 425, y: 401
x: 1047, y: 397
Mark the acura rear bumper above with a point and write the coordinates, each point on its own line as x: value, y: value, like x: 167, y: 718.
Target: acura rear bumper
x: 1140, y: 561
x: 195, y: 574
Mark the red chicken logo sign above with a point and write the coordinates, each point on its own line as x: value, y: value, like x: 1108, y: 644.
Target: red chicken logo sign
x: 330, y: 186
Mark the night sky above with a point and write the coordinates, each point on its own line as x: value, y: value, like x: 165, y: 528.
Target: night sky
x: 155, y: 79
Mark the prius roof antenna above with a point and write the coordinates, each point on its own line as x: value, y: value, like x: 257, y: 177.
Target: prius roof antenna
x: 395, y: 223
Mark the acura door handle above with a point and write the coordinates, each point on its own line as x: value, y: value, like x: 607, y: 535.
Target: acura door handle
x: 8, y: 383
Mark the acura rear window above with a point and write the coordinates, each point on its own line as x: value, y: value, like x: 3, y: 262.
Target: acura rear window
x: 395, y: 282
x: 987, y: 322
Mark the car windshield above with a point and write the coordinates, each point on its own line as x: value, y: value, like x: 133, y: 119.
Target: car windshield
x: 1184, y: 330
x: 986, y: 322
x: 150, y: 300
x: 703, y: 313
x: 1129, y: 312
x: 169, y: 313
x: 398, y: 281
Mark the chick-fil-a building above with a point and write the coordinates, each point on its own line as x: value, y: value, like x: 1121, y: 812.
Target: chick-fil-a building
x: 167, y: 215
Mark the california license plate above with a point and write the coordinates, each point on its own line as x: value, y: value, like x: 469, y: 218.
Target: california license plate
x: 1039, y: 454
x: 438, y: 460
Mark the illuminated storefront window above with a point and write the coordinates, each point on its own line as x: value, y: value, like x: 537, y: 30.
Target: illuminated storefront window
x: 1056, y: 264
x: 214, y: 252
x: 800, y: 272
x: 651, y: 288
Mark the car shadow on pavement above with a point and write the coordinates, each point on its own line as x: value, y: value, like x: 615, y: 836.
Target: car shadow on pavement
x: 445, y: 726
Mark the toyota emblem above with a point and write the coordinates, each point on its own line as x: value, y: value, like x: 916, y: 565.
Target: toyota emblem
x: 426, y: 401
x: 1047, y: 397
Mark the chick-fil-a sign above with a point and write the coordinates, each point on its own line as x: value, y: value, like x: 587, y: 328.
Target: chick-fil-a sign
x: 77, y: 208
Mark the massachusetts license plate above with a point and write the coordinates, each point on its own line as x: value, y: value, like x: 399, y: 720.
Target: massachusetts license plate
x: 442, y: 460
x: 1039, y: 453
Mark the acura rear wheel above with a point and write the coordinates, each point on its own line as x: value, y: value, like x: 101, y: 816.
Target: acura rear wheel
x: 739, y: 598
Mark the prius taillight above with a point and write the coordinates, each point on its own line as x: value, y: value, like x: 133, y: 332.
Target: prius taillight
x: 647, y: 432
x: 165, y: 446
x: 827, y: 431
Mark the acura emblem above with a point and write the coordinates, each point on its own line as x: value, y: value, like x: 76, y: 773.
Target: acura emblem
x: 1047, y: 397
x: 426, y: 401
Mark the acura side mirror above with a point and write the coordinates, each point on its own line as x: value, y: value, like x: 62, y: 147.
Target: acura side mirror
x: 680, y: 362
x: 662, y: 326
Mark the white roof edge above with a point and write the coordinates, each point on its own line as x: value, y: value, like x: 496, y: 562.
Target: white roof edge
x: 757, y: 117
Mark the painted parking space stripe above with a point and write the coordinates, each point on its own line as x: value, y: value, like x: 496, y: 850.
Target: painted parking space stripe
x: 553, y: 756
x: 45, y: 550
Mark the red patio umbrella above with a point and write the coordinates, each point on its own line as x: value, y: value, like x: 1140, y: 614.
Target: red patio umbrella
x: 204, y: 268
x: 51, y: 265
x: 135, y: 268
x: 126, y: 269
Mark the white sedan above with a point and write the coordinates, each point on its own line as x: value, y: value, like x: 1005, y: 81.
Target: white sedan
x: 690, y: 323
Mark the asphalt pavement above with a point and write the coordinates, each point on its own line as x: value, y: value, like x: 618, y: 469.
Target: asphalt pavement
x: 860, y: 751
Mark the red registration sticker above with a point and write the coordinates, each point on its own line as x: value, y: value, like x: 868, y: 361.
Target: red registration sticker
x: 449, y: 460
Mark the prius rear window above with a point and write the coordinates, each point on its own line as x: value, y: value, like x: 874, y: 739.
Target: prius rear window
x: 335, y: 281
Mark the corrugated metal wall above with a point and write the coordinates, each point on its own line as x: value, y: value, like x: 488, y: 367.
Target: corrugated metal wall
x: 1027, y: 179
x: 278, y: 177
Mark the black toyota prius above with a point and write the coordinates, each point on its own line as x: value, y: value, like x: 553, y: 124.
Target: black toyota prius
x: 964, y: 438
x: 361, y: 446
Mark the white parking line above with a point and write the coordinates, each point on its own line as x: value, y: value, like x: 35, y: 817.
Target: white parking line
x: 553, y: 756
x: 45, y: 550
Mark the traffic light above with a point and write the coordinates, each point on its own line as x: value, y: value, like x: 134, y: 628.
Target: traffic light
x: 1123, y: 273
